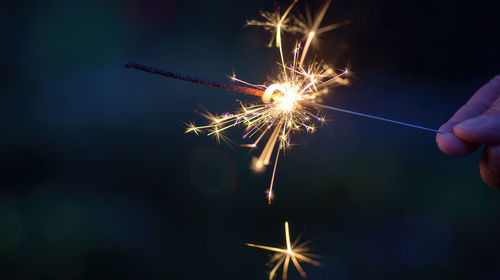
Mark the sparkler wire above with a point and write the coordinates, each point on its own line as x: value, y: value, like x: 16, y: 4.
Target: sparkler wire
x: 374, y: 117
x: 257, y: 92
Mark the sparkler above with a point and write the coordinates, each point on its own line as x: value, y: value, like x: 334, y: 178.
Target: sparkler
x: 289, y: 102
x: 293, y: 252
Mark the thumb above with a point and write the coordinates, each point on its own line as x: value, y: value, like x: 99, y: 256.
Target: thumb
x: 483, y: 129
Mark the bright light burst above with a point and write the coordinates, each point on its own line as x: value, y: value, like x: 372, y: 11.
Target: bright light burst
x: 293, y: 252
x: 285, y: 108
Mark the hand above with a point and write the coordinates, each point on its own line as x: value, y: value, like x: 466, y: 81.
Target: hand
x: 474, y: 124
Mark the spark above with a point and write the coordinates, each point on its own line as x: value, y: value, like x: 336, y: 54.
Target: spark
x: 290, y: 102
x: 281, y: 113
x: 275, y: 22
x: 293, y: 252
x: 313, y: 31
x: 191, y: 127
x: 307, y: 26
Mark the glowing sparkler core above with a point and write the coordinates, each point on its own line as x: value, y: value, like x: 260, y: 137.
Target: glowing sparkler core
x: 293, y: 252
x: 286, y: 100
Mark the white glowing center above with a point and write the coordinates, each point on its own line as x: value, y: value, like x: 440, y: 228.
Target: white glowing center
x: 285, y: 100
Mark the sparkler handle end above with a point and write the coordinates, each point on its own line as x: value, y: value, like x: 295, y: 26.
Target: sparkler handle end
x: 192, y: 79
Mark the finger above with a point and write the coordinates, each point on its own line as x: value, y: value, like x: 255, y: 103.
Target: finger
x: 478, y: 104
x: 483, y: 129
x: 489, y: 166
x: 451, y: 144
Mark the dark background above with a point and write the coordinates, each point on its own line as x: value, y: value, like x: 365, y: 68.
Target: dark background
x: 99, y: 181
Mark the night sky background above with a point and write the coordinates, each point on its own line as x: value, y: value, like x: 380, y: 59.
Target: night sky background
x: 99, y: 181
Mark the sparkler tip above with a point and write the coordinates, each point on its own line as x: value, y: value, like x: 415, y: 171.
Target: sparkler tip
x: 191, y: 127
x: 257, y: 165
x: 270, y: 197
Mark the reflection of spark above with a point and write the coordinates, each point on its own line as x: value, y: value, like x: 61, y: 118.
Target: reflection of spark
x: 293, y: 252
x: 284, y: 109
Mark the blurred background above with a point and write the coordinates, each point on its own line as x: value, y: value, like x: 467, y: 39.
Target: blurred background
x: 99, y: 181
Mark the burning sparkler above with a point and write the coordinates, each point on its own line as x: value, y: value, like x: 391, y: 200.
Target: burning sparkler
x: 283, y: 110
x: 293, y: 252
x: 289, y: 102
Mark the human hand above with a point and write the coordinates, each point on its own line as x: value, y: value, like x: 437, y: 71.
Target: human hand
x: 474, y: 124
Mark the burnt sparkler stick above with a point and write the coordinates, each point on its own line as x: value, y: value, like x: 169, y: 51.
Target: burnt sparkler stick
x: 196, y: 80
x: 260, y: 93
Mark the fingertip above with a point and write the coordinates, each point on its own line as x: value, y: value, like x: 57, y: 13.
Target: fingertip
x: 451, y: 144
